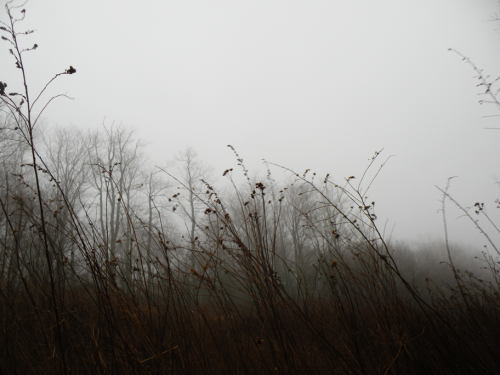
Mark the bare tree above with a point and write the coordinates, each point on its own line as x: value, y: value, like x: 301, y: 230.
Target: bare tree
x: 66, y: 156
x: 191, y: 172
x: 116, y: 157
x: 13, y: 151
x: 155, y: 188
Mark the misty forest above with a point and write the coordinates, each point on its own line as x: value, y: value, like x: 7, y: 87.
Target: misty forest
x: 114, y: 263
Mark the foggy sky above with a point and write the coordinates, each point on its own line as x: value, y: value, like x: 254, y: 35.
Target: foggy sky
x: 305, y: 84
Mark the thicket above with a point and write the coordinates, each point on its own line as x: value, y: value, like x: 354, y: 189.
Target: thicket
x: 111, y: 267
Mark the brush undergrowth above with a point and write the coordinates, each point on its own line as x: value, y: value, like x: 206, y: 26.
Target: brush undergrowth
x: 294, y: 279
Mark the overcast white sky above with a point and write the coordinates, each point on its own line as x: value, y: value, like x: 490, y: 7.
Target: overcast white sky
x: 318, y: 84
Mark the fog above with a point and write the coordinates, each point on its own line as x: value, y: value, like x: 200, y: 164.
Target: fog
x: 317, y: 84
x: 258, y: 187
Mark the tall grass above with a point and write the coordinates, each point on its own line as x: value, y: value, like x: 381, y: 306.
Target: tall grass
x: 290, y: 278
x: 249, y: 305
